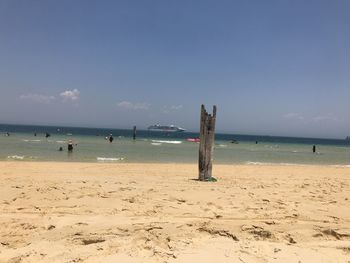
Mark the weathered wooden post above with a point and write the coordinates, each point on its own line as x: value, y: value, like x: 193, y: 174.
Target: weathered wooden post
x: 134, y: 135
x: 206, y: 145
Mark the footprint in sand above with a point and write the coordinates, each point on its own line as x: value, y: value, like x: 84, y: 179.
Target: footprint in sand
x: 257, y: 231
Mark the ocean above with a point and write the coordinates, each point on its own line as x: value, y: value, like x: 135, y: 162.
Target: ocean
x: 157, y: 147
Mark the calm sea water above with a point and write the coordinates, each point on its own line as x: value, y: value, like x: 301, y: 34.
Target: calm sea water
x: 92, y: 146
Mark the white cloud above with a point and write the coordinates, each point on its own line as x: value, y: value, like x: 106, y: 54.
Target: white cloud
x: 168, y: 109
x: 133, y: 106
x: 316, y: 119
x: 37, y: 98
x: 295, y: 116
x: 176, y: 107
x: 70, y: 95
x: 328, y: 117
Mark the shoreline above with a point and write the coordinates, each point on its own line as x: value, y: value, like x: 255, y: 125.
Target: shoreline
x: 108, y: 212
x: 125, y: 162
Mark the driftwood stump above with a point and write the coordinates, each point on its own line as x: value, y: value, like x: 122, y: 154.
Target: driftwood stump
x: 206, y: 145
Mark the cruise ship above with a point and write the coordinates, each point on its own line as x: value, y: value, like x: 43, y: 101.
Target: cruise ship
x: 165, y: 128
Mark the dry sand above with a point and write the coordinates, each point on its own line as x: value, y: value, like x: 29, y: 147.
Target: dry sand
x: 87, y: 212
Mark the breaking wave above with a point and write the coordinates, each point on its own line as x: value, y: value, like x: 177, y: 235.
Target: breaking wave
x: 15, y: 157
x: 170, y: 142
x: 107, y: 159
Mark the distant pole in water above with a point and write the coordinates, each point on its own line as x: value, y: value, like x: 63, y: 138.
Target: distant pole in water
x: 206, y: 145
x: 314, y: 148
x: 134, y: 134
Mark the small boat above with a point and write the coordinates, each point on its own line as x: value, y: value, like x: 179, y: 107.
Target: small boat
x: 193, y: 140
x: 165, y: 128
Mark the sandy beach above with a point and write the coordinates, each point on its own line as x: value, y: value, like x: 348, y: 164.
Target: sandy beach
x: 89, y: 212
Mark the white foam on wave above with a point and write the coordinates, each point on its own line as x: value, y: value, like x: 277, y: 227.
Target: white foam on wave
x: 61, y: 141
x: 156, y: 143
x: 107, y: 159
x: 299, y: 164
x: 266, y: 163
x: 31, y: 140
x: 15, y: 157
x: 341, y: 165
x: 170, y: 142
x: 256, y: 163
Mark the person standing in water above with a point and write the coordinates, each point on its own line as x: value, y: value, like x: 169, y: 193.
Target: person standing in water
x: 314, y: 149
x: 111, y: 138
x: 70, y: 146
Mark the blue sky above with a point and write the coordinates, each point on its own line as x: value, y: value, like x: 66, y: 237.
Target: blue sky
x: 271, y: 67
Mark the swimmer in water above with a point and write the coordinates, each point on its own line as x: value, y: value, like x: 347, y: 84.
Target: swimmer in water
x: 70, y: 146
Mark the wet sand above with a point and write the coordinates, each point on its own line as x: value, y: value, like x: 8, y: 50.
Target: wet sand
x: 88, y: 212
